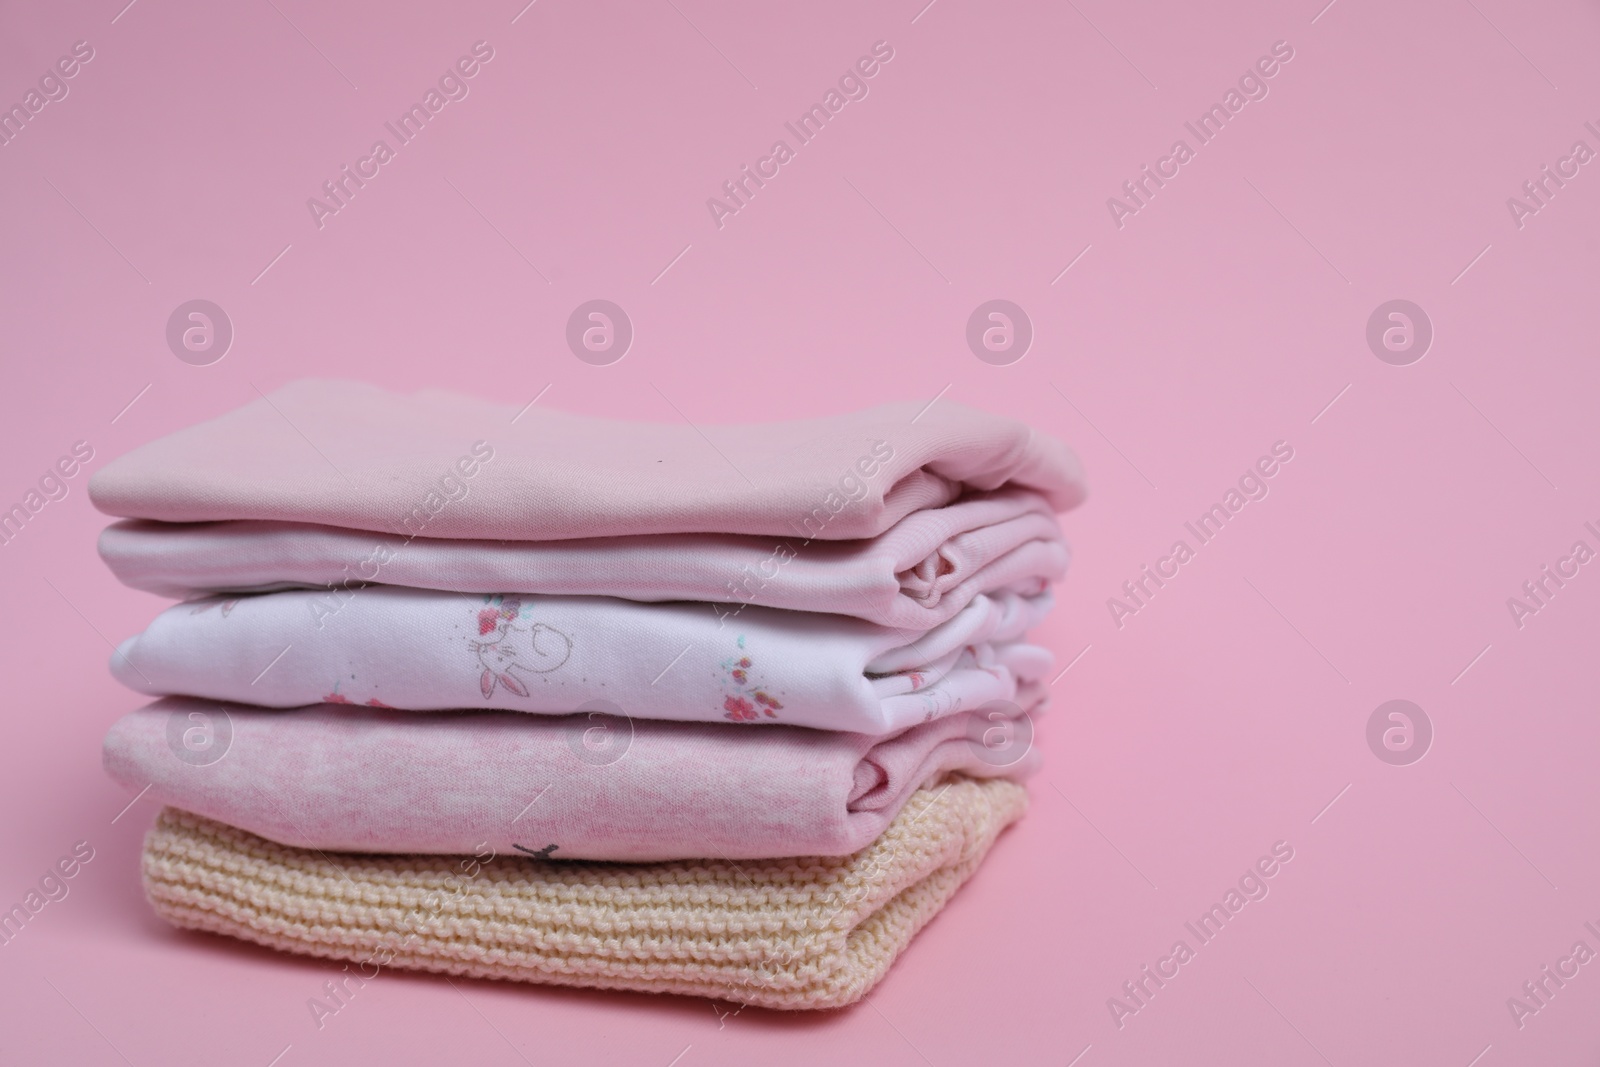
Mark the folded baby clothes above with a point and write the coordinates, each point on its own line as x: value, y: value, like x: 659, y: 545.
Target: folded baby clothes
x: 789, y: 934
x: 423, y: 650
x: 589, y: 786
x: 915, y: 575
x: 780, y: 677
x: 440, y: 465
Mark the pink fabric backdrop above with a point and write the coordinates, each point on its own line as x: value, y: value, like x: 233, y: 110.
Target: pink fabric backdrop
x: 1227, y: 313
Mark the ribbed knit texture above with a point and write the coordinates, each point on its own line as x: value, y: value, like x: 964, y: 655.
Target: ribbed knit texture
x: 791, y: 933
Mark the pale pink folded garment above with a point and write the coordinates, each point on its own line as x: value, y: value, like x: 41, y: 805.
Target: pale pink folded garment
x: 442, y: 465
x: 917, y: 574
x: 576, y: 787
x: 426, y: 650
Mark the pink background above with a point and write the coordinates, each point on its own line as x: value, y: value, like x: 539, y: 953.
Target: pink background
x: 1223, y: 317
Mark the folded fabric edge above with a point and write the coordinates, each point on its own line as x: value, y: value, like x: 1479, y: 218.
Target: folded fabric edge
x: 727, y: 937
x: 973, y: 448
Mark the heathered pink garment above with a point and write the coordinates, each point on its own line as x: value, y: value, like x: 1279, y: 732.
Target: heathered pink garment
x: 916, y: 575
x: 364, y: 780
x: 442, y: 465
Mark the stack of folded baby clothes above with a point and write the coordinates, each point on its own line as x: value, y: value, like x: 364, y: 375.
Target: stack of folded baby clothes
x: 434, y: 656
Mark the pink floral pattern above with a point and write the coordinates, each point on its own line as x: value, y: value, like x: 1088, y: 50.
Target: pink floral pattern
x: 750, y: 701
x: 490, y: 619
x: 337, y: 697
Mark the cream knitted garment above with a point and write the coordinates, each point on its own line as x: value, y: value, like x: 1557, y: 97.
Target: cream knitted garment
x: 784, y: 933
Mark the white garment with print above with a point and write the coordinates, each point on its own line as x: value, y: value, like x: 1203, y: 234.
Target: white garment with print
x: 424, y: 650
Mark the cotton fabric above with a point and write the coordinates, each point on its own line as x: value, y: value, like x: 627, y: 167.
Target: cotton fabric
x: 590, y: 786
x: 437, y: 464
x: 915, y: 575
x: 427, y: 650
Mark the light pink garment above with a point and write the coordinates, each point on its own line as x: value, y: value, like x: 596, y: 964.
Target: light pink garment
x: 425, y: 650
x: 440, y: 465
x: 358, y: 779
x: 917, y: 574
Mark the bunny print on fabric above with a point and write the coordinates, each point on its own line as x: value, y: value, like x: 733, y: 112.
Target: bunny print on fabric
x: 508, y: 648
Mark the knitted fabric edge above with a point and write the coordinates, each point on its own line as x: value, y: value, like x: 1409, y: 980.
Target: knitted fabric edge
x: 797, y: 933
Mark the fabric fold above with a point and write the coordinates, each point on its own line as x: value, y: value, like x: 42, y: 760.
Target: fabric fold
x: 591, y: 786
x: 790, y: 934
x: 424, y: 650
x: 915, y: 575
x: 437, y: 464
